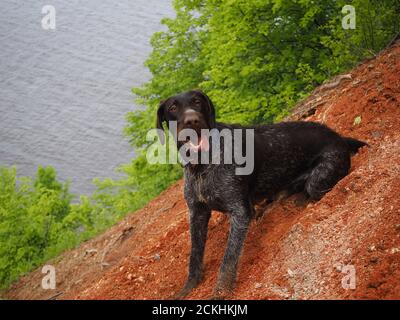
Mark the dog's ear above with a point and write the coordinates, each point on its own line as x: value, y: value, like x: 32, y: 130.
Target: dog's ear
x: 211, y: 109
x: 160, y: 120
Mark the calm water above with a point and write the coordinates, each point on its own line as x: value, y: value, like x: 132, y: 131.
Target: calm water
x: 64, y: 93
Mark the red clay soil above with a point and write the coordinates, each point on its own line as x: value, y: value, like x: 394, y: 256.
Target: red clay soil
x: 291, y: 252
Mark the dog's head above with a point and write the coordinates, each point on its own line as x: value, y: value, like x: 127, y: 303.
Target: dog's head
x: 191, y: 110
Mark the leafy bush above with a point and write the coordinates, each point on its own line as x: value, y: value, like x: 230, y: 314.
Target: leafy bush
x: 31, y: 216
x: 38, y: 221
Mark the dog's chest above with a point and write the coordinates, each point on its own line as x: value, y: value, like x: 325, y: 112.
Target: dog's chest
x: 201, y: 187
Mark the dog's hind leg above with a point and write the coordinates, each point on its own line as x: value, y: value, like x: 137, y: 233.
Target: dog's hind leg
x: 297, y: 185
x: 332, y: 165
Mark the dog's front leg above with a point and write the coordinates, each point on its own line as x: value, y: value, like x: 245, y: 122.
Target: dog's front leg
x: 199, y: 217
x: 239, y: 221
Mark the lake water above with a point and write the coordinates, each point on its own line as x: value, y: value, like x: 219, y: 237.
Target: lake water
x: 64, y: 93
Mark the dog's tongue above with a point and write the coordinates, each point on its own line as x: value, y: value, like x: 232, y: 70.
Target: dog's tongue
x: 202, y: 146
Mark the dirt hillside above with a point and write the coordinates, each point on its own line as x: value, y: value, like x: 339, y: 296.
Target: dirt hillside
x: 292, y: 252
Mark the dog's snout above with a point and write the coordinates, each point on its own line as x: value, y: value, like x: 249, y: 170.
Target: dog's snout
x: 191, y: 119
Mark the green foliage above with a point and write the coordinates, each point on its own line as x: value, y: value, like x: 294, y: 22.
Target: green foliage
x: 142, y: 182
x: 31, y: 216
x: 257, y: 58
x: 38, y: 220
x: 377, y: 22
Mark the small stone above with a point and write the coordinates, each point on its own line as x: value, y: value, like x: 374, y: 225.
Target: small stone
x: 129, y: 276
x: 377, y: 134
x: 157, y: 257
x: 258, y: 285
x: 338, y: 267
x: 373, y: 285
x: 290, y: 273
x: 395, y: 250
x: 373, y: 260
x: 371, y: 248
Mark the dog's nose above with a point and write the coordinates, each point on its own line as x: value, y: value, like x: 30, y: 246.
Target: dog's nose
x: 191, y: 119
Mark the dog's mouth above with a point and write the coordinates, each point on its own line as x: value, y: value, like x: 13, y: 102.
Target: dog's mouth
x: 201, y: 145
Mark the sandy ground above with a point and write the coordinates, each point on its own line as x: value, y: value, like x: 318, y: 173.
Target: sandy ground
x: 291, y: 252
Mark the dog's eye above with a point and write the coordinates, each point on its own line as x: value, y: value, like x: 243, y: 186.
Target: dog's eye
x: 197, y: 102
x: 172, y: 108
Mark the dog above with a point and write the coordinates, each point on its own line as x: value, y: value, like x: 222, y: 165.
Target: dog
x: 295, y: 157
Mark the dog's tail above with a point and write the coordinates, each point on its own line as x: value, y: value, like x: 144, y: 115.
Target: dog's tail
x: 354, y: 144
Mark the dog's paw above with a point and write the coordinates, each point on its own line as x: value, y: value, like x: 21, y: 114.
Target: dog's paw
x: 188, y: 287
x: 180, y: 294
